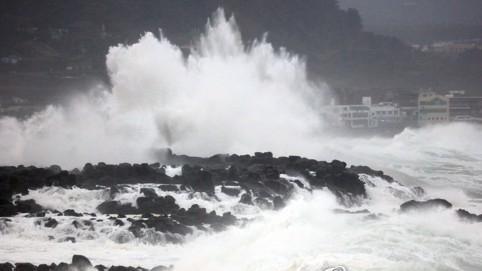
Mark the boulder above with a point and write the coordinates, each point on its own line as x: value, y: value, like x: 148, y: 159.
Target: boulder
x: 67, y: 239
x: 70, y: 212
x: 160, y: 268
x: 278, y: 203
x: 122, y: 268
x: 280, y: 187
x: 43, y: 267
x: 234, y: 192
x: 228, y: 219
x: 165, y: 224
x: 413, y: 205
x: 115, y: 207
x: 169, y: 188
x: 62, y: 266
x: 113, y: 192
x: 149, y: 192
x: 28, y: 206
x: 25, y: 267
x: 368, y: 171
x: 62, y: 179
x: 246, y: 199
x: 263, y: 204
x: 339, y: 181
x: 51, y: 223
x: 118, y: 222
x: 157, y: 205
x: 81, y: 263
x: 8, y: 209
x: 198, y: 179
x: 6, y: 267
x: 464, y: 215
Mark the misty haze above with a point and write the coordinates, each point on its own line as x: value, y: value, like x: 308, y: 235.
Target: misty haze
x: 240, y: 135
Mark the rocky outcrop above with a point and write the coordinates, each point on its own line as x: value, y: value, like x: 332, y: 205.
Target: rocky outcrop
x: 464, y: 215
x: 413, y: 205
x: 368, y: 171
x: 79, y: 263
x: 251, y: 180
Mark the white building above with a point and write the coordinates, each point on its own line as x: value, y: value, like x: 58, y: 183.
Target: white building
x: 351, y: 116
x: 385, y: 114
x: 432, y: 108
x: 362, y: 116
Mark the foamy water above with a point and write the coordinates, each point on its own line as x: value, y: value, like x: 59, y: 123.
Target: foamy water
x: 228, y: 97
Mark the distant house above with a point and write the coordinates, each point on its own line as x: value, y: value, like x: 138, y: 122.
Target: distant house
x: 432, y: 108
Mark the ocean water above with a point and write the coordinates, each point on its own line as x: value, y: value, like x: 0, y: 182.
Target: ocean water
x: 229, y: 97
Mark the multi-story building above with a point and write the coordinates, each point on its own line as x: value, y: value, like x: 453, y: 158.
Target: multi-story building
x: 352, y: 116
x: 432, y: 108
x: 385, y: 115
x: 362, y: 115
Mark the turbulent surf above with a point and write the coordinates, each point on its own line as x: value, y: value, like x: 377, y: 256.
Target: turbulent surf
x: 226, y: 97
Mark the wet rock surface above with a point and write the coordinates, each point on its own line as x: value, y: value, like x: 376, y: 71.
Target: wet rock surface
x: 154, y: 216
x: 79, y: 263
x: 259, y: 180
x: 413, y: 205
x: 253, y: 177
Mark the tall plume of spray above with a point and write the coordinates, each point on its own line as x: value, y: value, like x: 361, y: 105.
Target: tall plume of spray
x: 224, y: 97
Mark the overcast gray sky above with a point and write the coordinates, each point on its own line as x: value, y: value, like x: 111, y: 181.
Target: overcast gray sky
x: 417, y: 12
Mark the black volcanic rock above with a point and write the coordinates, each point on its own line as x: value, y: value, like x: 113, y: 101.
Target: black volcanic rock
x: 62, y: 267
x: 115, y: 207
x: 81, y: 263
x: 255, y: 179
x: 123, y: 268
x: 469, y: 217
x: 198, y: 179
x: 114, y: 191
x: 263, y: 203
x: 70, y: 212
x: 246, y: 199
x: 160, y: 268
x: 125, y: 173
x: 149, y: 192
x: 25, y: 267
x: 425, y: 205
x: 278, y: 203
x: 166, y: 224
x: 51, y: 223
x: 368, y: 171
x: 62, y: 179
x: 234, y: 192
x: 6, y: 267
x: 28, y: 206
x: 118, y: 222
x: 280, y: 187
x: 157, y: 205
x: 228, y: 219
x: 169, y: 188
x: 8, y: 209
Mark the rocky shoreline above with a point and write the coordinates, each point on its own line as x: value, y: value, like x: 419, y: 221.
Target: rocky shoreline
x: 79, y: 263
x: 259, y: 180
